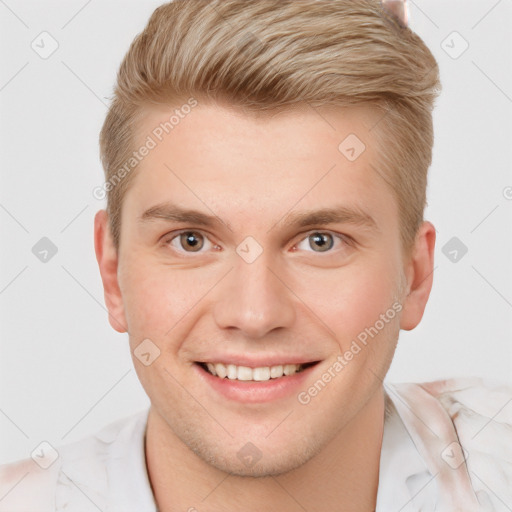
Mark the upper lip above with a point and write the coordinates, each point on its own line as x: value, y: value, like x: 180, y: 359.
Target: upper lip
x: 258, y: 361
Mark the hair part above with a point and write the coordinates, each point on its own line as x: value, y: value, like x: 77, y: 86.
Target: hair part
x: 265, y: 56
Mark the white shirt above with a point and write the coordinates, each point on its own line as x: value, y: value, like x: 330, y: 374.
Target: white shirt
x: 422, y: 466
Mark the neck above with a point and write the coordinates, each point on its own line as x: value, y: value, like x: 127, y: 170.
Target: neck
x: 343, y: 476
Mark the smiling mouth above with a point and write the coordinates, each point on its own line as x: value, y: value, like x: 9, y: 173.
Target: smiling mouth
x: 259, y: 374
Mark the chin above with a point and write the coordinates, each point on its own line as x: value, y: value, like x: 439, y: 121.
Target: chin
x: 250, y: 461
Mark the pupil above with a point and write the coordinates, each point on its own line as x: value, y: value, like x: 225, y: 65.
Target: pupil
x: 322, y: 241
x: 191, y: 239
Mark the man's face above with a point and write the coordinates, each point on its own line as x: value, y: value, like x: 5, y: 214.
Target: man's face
x: 257, y: 289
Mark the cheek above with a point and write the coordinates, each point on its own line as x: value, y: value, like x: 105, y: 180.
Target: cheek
x: 157, y: 298
x: 349, y: 300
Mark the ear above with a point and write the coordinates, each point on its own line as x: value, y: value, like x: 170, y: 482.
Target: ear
x: 419, y: 270
x: 397, y: 9
x: 107, y: 257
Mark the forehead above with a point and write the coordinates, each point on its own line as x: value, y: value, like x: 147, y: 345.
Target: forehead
x: 216, y: 158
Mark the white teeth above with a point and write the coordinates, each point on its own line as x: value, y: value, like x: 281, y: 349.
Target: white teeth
x: 245, y: 373
x: 289, y: 369
x: 276, y: 371
x: 232, y: 373
x: 261, y: 373
x: 221, y: 370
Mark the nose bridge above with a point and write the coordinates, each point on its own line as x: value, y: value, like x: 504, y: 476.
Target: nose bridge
x: 254, y: 300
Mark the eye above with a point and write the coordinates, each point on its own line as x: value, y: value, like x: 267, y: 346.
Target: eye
x: 188, y: 241
x: 321, y: 241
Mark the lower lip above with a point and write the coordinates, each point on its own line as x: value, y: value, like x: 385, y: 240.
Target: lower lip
x: 256, y: 391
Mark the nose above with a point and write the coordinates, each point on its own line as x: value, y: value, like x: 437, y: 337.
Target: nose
x: 254, y: 299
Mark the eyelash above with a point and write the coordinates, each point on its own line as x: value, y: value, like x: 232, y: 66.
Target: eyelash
x: 345, y: 239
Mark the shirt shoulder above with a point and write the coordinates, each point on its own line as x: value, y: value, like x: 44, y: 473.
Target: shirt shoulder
x: 75, y: 475
x: 462, y: 427
x: 487, y: 397
x: 476, y: 406
x: 481, y: 412
x: 24, y: 485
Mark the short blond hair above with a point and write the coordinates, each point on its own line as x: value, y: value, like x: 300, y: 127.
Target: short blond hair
x: 268, y: 55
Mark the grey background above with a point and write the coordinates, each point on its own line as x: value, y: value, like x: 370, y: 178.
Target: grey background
x: 64, y: 372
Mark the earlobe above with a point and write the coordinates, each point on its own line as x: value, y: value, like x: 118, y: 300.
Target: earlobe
x: 419, y: 272
x: 107, y: 257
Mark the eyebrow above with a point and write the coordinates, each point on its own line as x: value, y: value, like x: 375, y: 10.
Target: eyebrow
x: 335, y: 215
x: 173, y: 213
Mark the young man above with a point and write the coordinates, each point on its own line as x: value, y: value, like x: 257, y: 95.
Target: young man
x: 263, y: 245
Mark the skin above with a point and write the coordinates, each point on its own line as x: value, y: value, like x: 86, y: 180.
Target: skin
x: 251, y: 172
